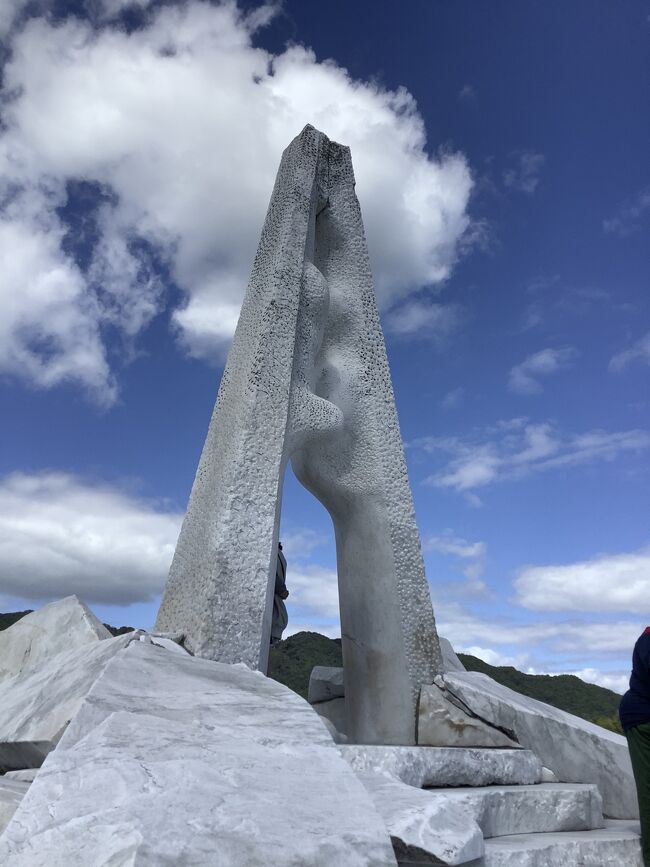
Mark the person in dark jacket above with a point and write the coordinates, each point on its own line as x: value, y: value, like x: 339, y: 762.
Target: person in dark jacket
x: 634, y: 713
x: 280, y: 616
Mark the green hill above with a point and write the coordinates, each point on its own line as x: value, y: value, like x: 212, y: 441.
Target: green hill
x: 291, y: 661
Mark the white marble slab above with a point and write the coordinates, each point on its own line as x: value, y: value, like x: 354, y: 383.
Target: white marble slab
x: 446, y: 766
x: 61, y: 626
x: 36, y: 704
x: 575, y: 750
x: 184, y: 761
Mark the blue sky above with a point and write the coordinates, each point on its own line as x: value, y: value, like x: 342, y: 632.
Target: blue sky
x: 501, y: 158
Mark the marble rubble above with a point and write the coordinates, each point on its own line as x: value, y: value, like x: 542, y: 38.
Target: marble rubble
x: 68, y: 624
x: 178, y: 760
x: 575, y: 750
x: 307, y: 380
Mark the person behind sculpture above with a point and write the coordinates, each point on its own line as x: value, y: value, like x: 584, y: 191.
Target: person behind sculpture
x: 280, y: 616
x: 634, y: 713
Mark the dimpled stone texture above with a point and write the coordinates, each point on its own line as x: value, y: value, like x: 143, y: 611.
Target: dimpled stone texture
x: 307, y: 378
x: 219, y: 590
x: 355, y: 466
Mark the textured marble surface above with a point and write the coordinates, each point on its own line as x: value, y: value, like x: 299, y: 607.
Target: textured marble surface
x: 11, y: 794
x: 446, y: 766
x: 325, y: 683
x: 450, y: 662
x: 607, y: 847
x: 334, y: 712
x: 188, y: 762
x: 307, y: 379
x: 444, y: 723
x: 37, y: 703
x: 60, y: 626
x: 543, y: 808
x: 575, y: 750
x: 423, y: 828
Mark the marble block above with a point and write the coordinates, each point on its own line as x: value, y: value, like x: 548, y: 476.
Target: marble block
x: 606, y: 847
x: 543, y: 808
x: 445, y: 723
x: 450, y: 662
x: 184, y: 761
x: 36, y: 704
x: 575, y: 750
x: 446, y: 766
x: 61, y: 626
x: 325, y: 683
x: 423, y: 829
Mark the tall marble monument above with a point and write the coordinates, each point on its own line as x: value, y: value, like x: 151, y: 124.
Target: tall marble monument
x: 307, y: 380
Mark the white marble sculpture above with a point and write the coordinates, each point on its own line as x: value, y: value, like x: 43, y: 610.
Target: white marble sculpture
x: 307, y: 380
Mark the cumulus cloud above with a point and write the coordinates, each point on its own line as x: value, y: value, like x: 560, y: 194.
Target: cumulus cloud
x: 628, y: 219
x: 524, y: 171
x: 181, y: 125
x: 639, y: 351
x: 300, y: 543
x: 524, y: 377
x: 547, y: 639
x: 313, y: 595
x: 608, y: 582
x: 515, y: 448
x: 60, y: 535
x: 424, y: 318
x: 473, y: 553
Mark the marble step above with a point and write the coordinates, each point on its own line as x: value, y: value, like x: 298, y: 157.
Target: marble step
x: 548, y: 807
x: 448, y: 826
x: 446, y: 766
x: 615, y: 845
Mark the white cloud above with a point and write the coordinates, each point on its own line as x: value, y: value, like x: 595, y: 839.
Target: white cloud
x: 313, y: 594
x: 608, y: 582
x: 467, y: 93
x: 453, y: 398
x: 524, y: 377
x: 449, y: 544
x: 629, y: 216
x: 61, y: 535
x: 49, y: 328
x: 639, y: 351
x: 182, y: 123
x: 515, y: 448
x: 300, y: 543
x: 537, y: 644
x: 424, y: 318
x: 523, y: 174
